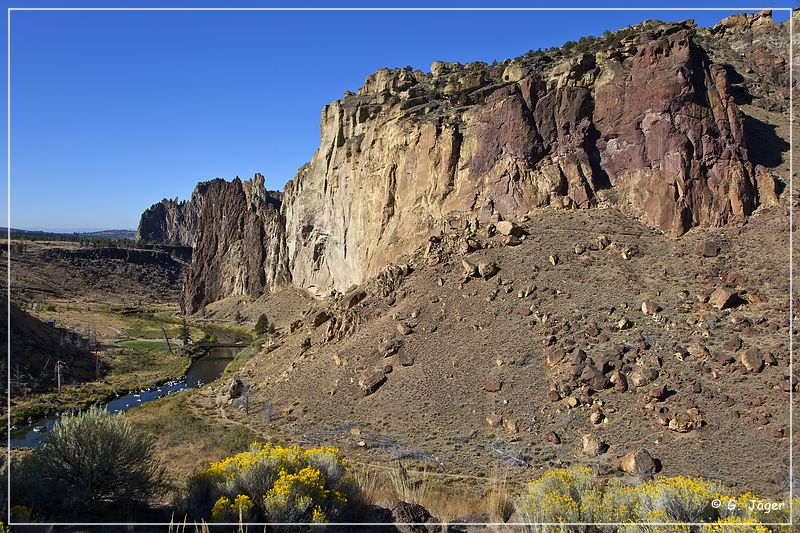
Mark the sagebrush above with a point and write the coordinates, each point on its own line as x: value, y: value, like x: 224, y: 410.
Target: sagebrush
x: 88, y: 460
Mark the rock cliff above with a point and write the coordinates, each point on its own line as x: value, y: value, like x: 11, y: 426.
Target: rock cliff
x: 169, y: 221
x: 239, y: 245
x: 642, y: 119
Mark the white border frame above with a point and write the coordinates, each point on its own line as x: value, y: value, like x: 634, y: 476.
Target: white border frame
x: 489, y: 524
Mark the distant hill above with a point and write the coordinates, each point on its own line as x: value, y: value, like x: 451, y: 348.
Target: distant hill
x: 111, y: 234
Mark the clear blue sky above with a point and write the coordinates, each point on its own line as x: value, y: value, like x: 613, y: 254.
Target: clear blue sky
x: 112, y: 111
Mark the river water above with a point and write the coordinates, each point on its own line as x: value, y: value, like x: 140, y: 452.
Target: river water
x: 203, y: 370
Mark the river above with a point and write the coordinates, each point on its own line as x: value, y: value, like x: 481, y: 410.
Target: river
x: 203, y: 370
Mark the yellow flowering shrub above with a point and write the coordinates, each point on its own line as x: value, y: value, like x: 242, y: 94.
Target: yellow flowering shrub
x: 567, y: 495
x: 574, y: 496
x: 220, y: 509
x: 239, y: 510
x: 276, y: 484
x: 677, y: 499
x: 782, y: 515
x: 619, y: 503
x: 735, y: 524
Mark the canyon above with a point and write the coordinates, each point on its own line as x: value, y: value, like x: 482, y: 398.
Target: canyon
x: 504, y: 263
x: 487, y: 273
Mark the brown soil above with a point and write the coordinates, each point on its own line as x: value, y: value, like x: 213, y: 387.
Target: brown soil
x: 435, y: 410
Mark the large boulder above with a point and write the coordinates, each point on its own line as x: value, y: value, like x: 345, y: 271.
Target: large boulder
x: 639, y: 463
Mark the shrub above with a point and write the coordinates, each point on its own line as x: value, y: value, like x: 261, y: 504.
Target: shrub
x: 275, y: 484
x: 88, y: 459
x: 562, y: 495
x: 619, y: 503
x: 734, y: 524
x: 263, y: 325
x: 574, y: 495
x: 677, y: 499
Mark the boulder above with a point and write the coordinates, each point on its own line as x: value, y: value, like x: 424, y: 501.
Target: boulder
x: 554, y: 356
x: 405, y: 358
x: 709, y: 249
x: 468, y: 269
x: 494, y: 420
x: 487, y: 269
x: 404, y: 329
x: 320, y: 318
x: 391, y: 346
x: 234, y: 389
x: 650, y: 308
x: 723, y: 298
x: 752, y: 360
x: 492, y: 384
x: 620, y: 381
x: 593, y: 446
x: 659, y: 393
x: 354, y: 298
x: 681, y: 423
x: 505, y: 227
x: 640, y: 376
x: 639, y: 463
x: 371, y: 381
x: 405, y: 514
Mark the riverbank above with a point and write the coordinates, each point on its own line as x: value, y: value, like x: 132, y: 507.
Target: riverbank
x: 131, y: 353
x: 202, y: 366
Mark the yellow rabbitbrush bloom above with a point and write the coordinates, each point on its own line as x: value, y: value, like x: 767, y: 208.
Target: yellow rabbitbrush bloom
x: 282, y: 483
x: 318, y: 517
x: 562, y: 495
x: 220, y: 509
x: 308, y: 479
x: 619, y: 502
x: 226, y: 511
x: 678, y: 499
x: 289, y: 457
x: 295, y: 493
x: 662, y: 505
x: 242, y: 505
x: 735, y: 524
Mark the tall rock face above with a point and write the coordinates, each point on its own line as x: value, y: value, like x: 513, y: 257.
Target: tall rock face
x: 674, y: 143
x: 239, y: 242
x: 642, y: 119
x: 170, y: 221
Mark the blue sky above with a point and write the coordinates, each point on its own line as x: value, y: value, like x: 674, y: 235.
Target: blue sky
x: 112, y: 111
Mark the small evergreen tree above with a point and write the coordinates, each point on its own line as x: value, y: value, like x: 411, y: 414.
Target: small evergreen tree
x: 263, y: 326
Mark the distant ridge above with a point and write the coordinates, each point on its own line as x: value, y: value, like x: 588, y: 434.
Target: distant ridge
x: 115, y: 234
